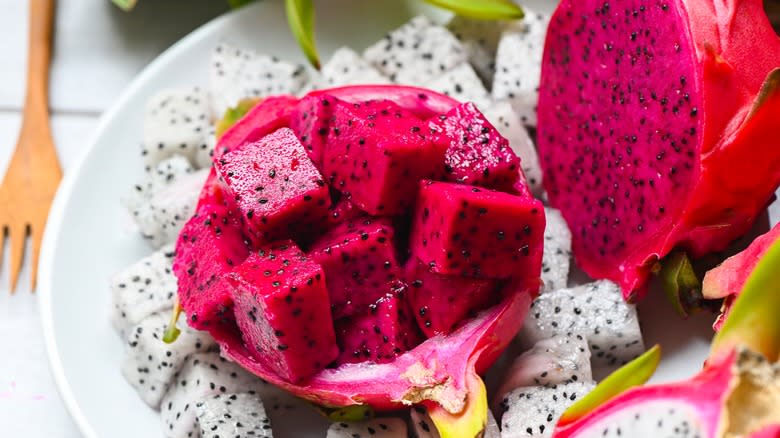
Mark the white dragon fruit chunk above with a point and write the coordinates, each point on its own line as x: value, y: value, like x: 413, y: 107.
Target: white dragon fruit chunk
x: 596, y: 311
x: 149, y: 363
x: 156, y: 178
x: 203, y: 375
x: 462, y: 84
x: 416, y: 52
x: 203, y: 158
x: 423, y: 427
x: 237, y: 74
x: 163, y: 215
x: 557, y: 251
x: 147, y: 286
x: 558, y: 360
x: 534, y: 411
x: 519, y: 65
x: 346, y: 67
x: 233, y: 416
x: 480, y: 40
x: 507, y: 122
x: 376, y: 428
x: 176, y: 122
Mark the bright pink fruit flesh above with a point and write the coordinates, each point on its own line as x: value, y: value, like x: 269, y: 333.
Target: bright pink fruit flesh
x: 727, y: 280
x: 440, y: 302
x: 671, y: 142
x: 476, y: 232
x: 359, y: 260
x: 335, y: 322
x: 721, y: 400
x: 376, y: 152
x: 275, y: 185
x: 383, y: 333
x: 279, y: 296
x: 476, y: 153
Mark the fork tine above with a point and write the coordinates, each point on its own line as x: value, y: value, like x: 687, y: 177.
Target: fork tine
x: 36, y: 234
x: 17, y: 235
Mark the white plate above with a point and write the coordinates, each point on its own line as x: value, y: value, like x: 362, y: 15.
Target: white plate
x: 85, y: 242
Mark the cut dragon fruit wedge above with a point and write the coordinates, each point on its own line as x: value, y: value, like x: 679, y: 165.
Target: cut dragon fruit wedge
x: 736, y: 394
x: 315, y: 262
x: 672, y: 142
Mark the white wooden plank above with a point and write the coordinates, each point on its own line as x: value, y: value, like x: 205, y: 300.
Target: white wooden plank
x: 98, y: 48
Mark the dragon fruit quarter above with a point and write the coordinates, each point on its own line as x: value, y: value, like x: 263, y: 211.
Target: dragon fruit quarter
x: 365, y: 245
x: 658, y: 128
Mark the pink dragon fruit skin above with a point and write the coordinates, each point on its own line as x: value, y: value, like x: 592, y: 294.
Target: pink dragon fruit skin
x: 440, y: 302
x: 672, y: 143
x: 477, y: 232
x: 376, y: 152
x: 279, y: 296
x: 209, y: 245
x: 726, y: 280
x: 476, y: 153
x: 275, y: 185
x: 385, y: 330
x: 264, y: 118
x: 695, y: 407
x: 359, y: 260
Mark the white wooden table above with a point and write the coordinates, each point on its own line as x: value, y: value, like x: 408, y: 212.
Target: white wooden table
x: 98, y: 51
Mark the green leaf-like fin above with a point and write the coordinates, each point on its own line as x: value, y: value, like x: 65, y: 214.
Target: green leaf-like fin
x: 234, y: 114
x: 235, y: 4
x: 634, y: 373
x: 680, y: 283
x: 125, y: 5
x: 482, y: 9
x: 753, y: 319
x: 300, y: 16
x: 171, y: 331
x: 349, y: 414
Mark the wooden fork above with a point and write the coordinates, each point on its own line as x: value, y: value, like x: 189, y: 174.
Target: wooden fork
x: 34, y: 172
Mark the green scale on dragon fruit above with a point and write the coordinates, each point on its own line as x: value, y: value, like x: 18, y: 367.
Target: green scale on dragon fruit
x: 507, y: 122
x: 557, y: 251
x: 359, y: 260
x: 518, y: 65
x: 346, y: 67
x: 643, y: 158
x: 480, y: 41
x: 209, y: 246
x: 477, y: 154
x: 423, y: 427
x: 147, y: 286
x: 462, y: 84
x: 534, y: 410
x: 376, y: 152
x: 596, y: 311
x: 281, y: 304
x: 162, y: 204
x: 177, y: 122
x: 275, y: 185
x: 477, y: 232
x: 383, y: 331
x: 237, y: 74
x: 204, y: 375
x: 440, y: 302
x: 233, y: 416
x: 416, y: 52
x: 149, y: 364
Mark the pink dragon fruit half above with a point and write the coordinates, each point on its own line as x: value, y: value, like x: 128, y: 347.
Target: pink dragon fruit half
x: 296, y: 243
x: 726, y: 280
x: 736, y: 394
x: 671, y: 141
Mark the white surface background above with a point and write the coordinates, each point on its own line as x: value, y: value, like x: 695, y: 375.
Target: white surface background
x: 98, y: 50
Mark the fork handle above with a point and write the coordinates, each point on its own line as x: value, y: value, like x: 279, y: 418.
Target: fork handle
x: 39, y: 55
